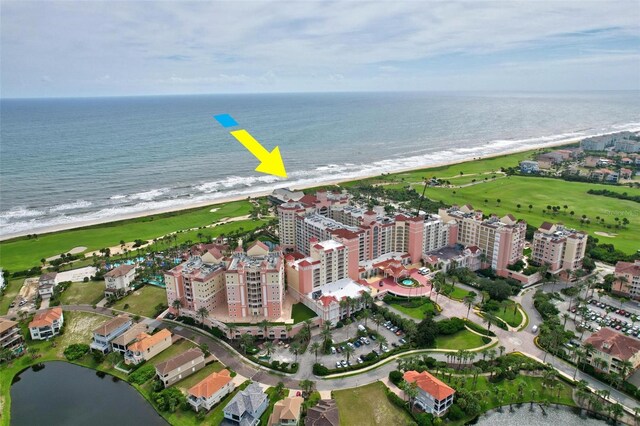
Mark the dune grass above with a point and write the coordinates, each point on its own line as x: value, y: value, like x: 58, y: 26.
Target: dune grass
x: 88, y: 293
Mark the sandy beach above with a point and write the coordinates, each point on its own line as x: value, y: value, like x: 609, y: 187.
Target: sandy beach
x: 230, y: 198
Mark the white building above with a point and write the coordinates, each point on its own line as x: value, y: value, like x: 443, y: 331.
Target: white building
x: 47, y: 283
x: 434, y: 396
x: 118, y: 280
x: 46, y: 324
x: 210, y: 391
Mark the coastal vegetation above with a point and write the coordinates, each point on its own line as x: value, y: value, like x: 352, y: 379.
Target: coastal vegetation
x: 373, y: 407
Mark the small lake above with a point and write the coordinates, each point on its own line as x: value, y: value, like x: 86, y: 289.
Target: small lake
x: 560, y: 416
x: 66, y: 394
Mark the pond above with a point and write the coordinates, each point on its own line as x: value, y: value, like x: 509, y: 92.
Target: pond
x: 524, y: 416
x: 67, y: 394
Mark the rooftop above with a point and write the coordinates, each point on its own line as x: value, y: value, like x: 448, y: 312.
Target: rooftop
x: 145, y: 341
x: 46, y: 318
x: 340, y: 289
x: 113, y: 324
x: 120, y: 271
x: 286, y: 409
x: 210, y: 384
x: 615, y: 344
x: 430, y: 384
x: 178, y: 361
x: 324, y: 414
x: 6, y: 324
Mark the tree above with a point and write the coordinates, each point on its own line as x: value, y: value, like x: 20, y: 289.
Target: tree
x: 295, y: 350
x: 264, y: 325
x: 246, y: 341
x: 315, y: 347
x: 177, y: 305
x: 203, y: 313
x: 348, y: 351
x: 232, y: 330
x: 489, y: 319
x: 307, y: 386
x: 382, y: 341
x: 269, y: 346
x: 426, y: 333
x: 469, y: 301
x: 279, y: 388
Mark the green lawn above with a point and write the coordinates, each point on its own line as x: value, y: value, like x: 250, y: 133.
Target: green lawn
x: 513, y: 319
x: 143, y: 301
x: 88, y: 293
x: 408, y: 307
x: 461, y: 340
x: 10, y: 293
x: 198, y: 376
x: 541, y: 192
x: 300, y: 313
x: 22, y: 253
x: 457, y: 293
x: 173, y: 350
x: 368, y: 405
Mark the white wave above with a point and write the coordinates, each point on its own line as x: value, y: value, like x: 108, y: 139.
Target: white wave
x: 148, y: 195
x: 233, y: 182
x: 20, y: 212
x: 80, y: 204
x: 118, y: 197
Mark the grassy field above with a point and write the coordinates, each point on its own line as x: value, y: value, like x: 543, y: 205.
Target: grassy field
x: 143, y: 302
x: 541, y: 192
x: 22, y: 253
x: 176, y: 349
x: 457, y: 293
x: 198, y: 376
x: 368, y: 405
x: 461, y: 340
x: 88, y: 293
x: 299, y: 313
x: 10, y: 293
x: 511, y: 318
x: 417, y: 312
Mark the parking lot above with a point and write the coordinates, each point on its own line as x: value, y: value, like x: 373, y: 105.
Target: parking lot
x: 600, y: 314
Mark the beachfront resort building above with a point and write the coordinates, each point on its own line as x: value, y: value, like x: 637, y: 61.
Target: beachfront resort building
x: 105, y: 333
x: 560, y: 248
x: 627, y: 282
x: 611, y: 350
x: 11, y: 337
x: 118, y: 280
x: 434, y: 396
x: 180, y: 366
x: 501, y: 240
x: 246, y: 407
x: 46, y: 324
x: 247, y: 284
x: 146, y: 346
x: 210, y: 390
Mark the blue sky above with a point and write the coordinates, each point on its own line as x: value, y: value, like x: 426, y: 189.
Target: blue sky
x: 91, y: 48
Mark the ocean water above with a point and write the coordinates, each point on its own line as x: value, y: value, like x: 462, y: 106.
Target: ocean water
x: 69, y: 161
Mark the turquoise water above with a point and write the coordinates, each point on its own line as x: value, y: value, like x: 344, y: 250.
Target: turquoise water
x: 65, y: 161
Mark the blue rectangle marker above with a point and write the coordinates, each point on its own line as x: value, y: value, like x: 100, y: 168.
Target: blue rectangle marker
x: 225, y: 120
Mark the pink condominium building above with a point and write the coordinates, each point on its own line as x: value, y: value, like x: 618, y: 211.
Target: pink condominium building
x: 560, y: 248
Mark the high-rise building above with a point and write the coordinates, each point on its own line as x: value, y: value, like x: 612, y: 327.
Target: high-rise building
x: 560, y: 248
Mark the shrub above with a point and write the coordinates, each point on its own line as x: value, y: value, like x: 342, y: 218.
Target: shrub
x: 169, y: 399
x: 75, y: 351
x: 320, y: 370
x: 395, y: 377
x: 479, y: 329
x: 455, y: 412
x: 142, y: 374
x: 450, y: 326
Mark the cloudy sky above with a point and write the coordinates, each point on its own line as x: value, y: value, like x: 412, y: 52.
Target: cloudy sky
x: 93, y: 48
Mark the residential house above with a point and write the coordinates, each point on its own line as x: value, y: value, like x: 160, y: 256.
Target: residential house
x: 246, y: 407
x: 286, y: 412
x: 180, y: 366
x: 627, y: 282
x: 627, y: 161
x: 46, y: 284
x: 605, y: 175
x: 613, y: 348
x: 210, y: 391
x: 46, y: 324
x: 147, y: 346
x: 118, y: 280
x: 551, y: 157
x: 10, y: 336
x: 120, y: 343
x: 434, y: 396
x: 527, y: 166
x: 103, y: 335
x: 626, y: 173
x: 325, y: 413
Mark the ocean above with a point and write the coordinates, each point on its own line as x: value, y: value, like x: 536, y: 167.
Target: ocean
x: 71, y: 161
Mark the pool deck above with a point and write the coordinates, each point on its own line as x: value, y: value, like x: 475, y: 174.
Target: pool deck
x: 389, y: 285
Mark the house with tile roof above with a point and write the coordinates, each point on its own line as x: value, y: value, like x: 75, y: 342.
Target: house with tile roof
x: 120, y: 343
x: 325, y: 413
x: 46, y: 324
x: 614, y: 348
x: 286, y: 412
x: 147, y: 346
x: 434, y: 396
x: 180, y: 366
x: 246, y: 407
x: 118, y: 280
x: 210, y: 390
x: 109, y: 330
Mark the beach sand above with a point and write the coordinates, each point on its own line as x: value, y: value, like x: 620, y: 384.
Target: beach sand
x: 230, y: 198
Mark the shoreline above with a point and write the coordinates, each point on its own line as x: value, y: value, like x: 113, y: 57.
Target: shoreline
x: 258, y: 194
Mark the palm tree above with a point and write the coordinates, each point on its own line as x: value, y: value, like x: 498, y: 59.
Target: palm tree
x: 246, y: 340
x: 469, y: 300
x: 268, y: 346
x: 295, y: 350
x: 382, y: 341
x: 366, y: 314
x: 232, y: 329
x: 307, y: 386
x: 315, y: 347
x: 533, y: 393
x: 489, y: 319
x: 412, y: 392
x: 307, y: 324
x: 203, y: 313
x: 348, y: 350
x: 177, y: 305
x: 264, y: 325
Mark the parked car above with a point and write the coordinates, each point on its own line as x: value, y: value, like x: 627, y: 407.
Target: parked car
x: 333, y: 350
x: 402, y: 341
x: 373, y: 337
x: 534, y: 329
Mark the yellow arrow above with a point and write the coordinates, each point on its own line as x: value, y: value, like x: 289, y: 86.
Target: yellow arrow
x: 270, y: 162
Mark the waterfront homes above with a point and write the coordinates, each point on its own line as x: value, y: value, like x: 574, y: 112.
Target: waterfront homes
x: 118, y: 280
x: 434, y: 396
x: 325, y: 413
x: 120, y: 343
x: 286, y: 412
x: 528, y: 166
x: 208, y: 392
x: 46, y: 324
x: 627, y: 282
x: 11, y: 337
x: 180, y: 366
x: 246, y: 284
x: 147, y: 346
x: 613, y: 349
x: 560, y: 248
x: 103, y: 335
x: 46, y: 284
x: 246, y: 407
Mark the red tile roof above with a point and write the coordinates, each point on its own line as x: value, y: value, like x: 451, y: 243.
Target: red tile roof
x: 46, y: 318
x: 210, y: 384
x: 430, y: 384
x: 145, y: 341
x: 615, y: 344
x: 120, y: 271
x: 628, y: 268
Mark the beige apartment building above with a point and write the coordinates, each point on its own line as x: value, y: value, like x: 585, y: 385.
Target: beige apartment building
x: 560, y: 248
x: 627, y: 281
x: 613, y: 348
